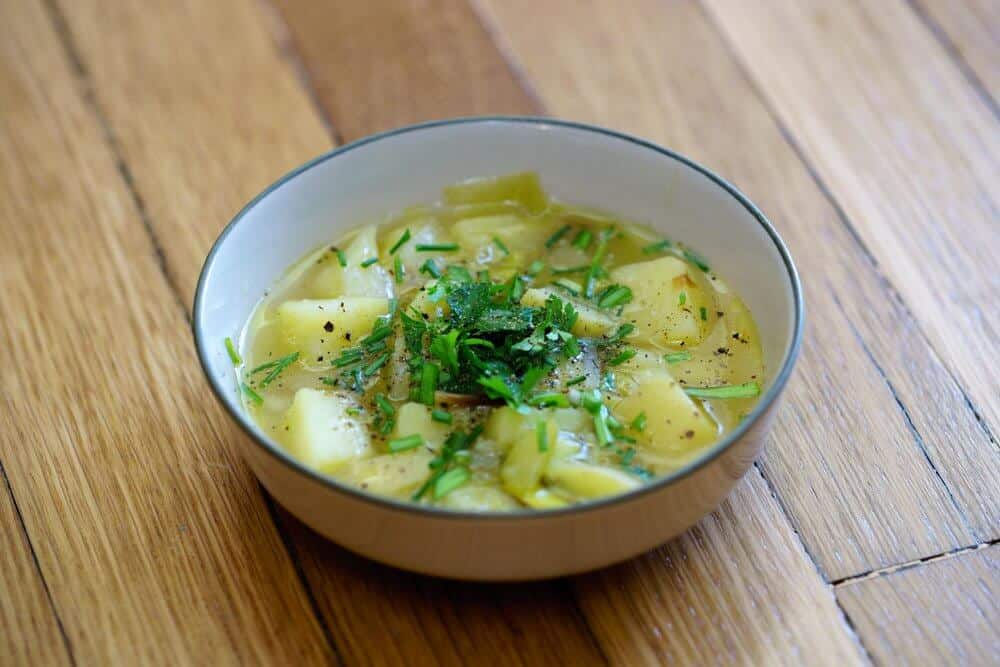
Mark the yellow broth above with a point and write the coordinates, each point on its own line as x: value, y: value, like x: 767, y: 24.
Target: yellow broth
x: 615, y: 394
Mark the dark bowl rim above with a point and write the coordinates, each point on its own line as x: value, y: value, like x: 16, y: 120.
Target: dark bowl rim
x: 273, y: 450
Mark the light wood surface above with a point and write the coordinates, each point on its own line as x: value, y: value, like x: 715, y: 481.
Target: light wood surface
x: 943, y: 612
x: 139, y: 128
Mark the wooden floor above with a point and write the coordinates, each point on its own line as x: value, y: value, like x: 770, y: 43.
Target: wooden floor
x: 131, y: 131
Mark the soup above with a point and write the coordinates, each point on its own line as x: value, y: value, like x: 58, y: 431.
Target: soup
x: 499, y: 350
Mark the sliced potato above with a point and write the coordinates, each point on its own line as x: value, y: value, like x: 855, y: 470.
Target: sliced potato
x: 544, y: 499
x: 321, y: 434
x: 398, y: 475
x: 673, y: 421
x: 524, y: 188
x: 416, y: 418
x: 656, y: 308
x: 474, y: 497
x: 322, y: 327
x: 586, y: 480
x: 356, y: 280
x: 524, y: 464
x: 590, y: 321
x: 503, y: 426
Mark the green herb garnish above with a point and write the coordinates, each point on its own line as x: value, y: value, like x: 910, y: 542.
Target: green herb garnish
x: 429, y: 374
x: 441, y: 416
x: 554, y: 239
x: 445, y: 348
x: 583, y: 239
x: 341, y: 257
x: 234, y: 356
x: 549, y: 400
x: 542, y: 435
x: 577, y: 380
x: 569, y: 269
x: 639, y: 423
x: 405, y: 443
x: 746, y: 390
x: 501, y: 245
x: 704, y: 313
x: 622, y: 357
x: 256, y: 398
x: 397, y: 269
x: 657, y: 247
x: 400, y: 242
x: 674, y: 357
x: 595, y: 269
x: 695, y: 259
x: 536, y: 267
x: 437, y: 247
x: 569, y: 289
x: 276, y: 368
x: 430, y: 268
x: 384, y: 405
x: 450, y: 481
x: 682, y: 298
x: 616, y: 295
x: 368, y: 262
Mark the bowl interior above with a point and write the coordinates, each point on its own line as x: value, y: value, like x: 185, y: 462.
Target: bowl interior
x: 581, y: 165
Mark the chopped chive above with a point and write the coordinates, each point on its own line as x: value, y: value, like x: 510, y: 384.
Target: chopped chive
x: 622, y: 357
x: 746, y: 390
x: 531, y: 377
x: 595, y: 264
x: 368, y: 262
x: 628, y: 456
x: 341, y: 257
x: 549, y: 400
x: 397, y: 269
x: 682, y: 298
x: 536, y: 267
x: 617, y: 295
x: 569, y: 288
x: 696, y: 260
x: 279, y: 366
x: 674, y: 357
x: 704, y: 313
x: 441, y: 416
x: 500, y: 245
x: 429, y: 374
x: 639, y: 423
x: 251, y: 394
x: 591, y: 401
x: 437, y: 247
x: 399, y: 243
x: 450, y: 481
x: 348, y: 358
x: 542, y: 435
x: 352, y: 411
x: 234, y: 356
x: 380, y: 333
x: 608, y: 381
x: 405, y: 443
x: 375, y: 365
x: 657, y: 247
x: 577, y: 380
x: 430, y: 268
x: 384, y: 405
x: 478, y: 342
x: 601, y: 429
x: 583, y: 239
x: 516, y: 289
x: 458, y: 273
x: 329, y: 381
x: 554, y: 239
x: 569, y: 269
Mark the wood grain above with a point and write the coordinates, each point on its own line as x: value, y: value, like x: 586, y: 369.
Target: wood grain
x: 704, y: 570
x: 384, y: 63
x: 736, y: 589
x: 152, y: 538
x: 972, y: 28
x: 843, y: 457
x: 861, y: 87
x: 945, y: 612
x: 374, y: 615
x: 31, y: 634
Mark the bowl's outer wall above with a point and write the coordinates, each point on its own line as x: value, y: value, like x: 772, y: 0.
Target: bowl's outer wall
x: 581, y: 164
x: 522, y: 548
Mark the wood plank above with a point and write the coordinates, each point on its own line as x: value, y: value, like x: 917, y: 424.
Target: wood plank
x: 736, y: 589
x: 861, y: 87
x: 385, y: 63
x: 154, y: 541
x: 945, y: 612
x: 706, y: 568
x: 227, y: 154
x: 842, y: 456
x: 972, y: 28
x: 31, y: 633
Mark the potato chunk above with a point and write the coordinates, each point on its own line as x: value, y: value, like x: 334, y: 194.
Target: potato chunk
x: 524, y: 464
x: 321, y: 328
x: 590, y: 321
x: 416, y: 418
x: 522, y: 237
x: 544, y: 499
x: 674, y: 423
x: 398, y: 475
x: 356, y: 280
x: 656, y: 308
x: 586, y: 480
x: 479, y: 498
x: 523, y: 188
x: 321, y: 434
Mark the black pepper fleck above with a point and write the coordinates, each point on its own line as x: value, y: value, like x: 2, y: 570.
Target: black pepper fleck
x: 328, y: 326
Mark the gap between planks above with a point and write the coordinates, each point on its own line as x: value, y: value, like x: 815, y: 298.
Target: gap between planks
x: 90, y: 100
x: 909, y: 565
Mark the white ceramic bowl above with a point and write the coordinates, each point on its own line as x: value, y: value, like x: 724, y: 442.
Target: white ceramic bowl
x: 579, y: 164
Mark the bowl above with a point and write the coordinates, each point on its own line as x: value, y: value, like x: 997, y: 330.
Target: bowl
x: 580, y: 164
